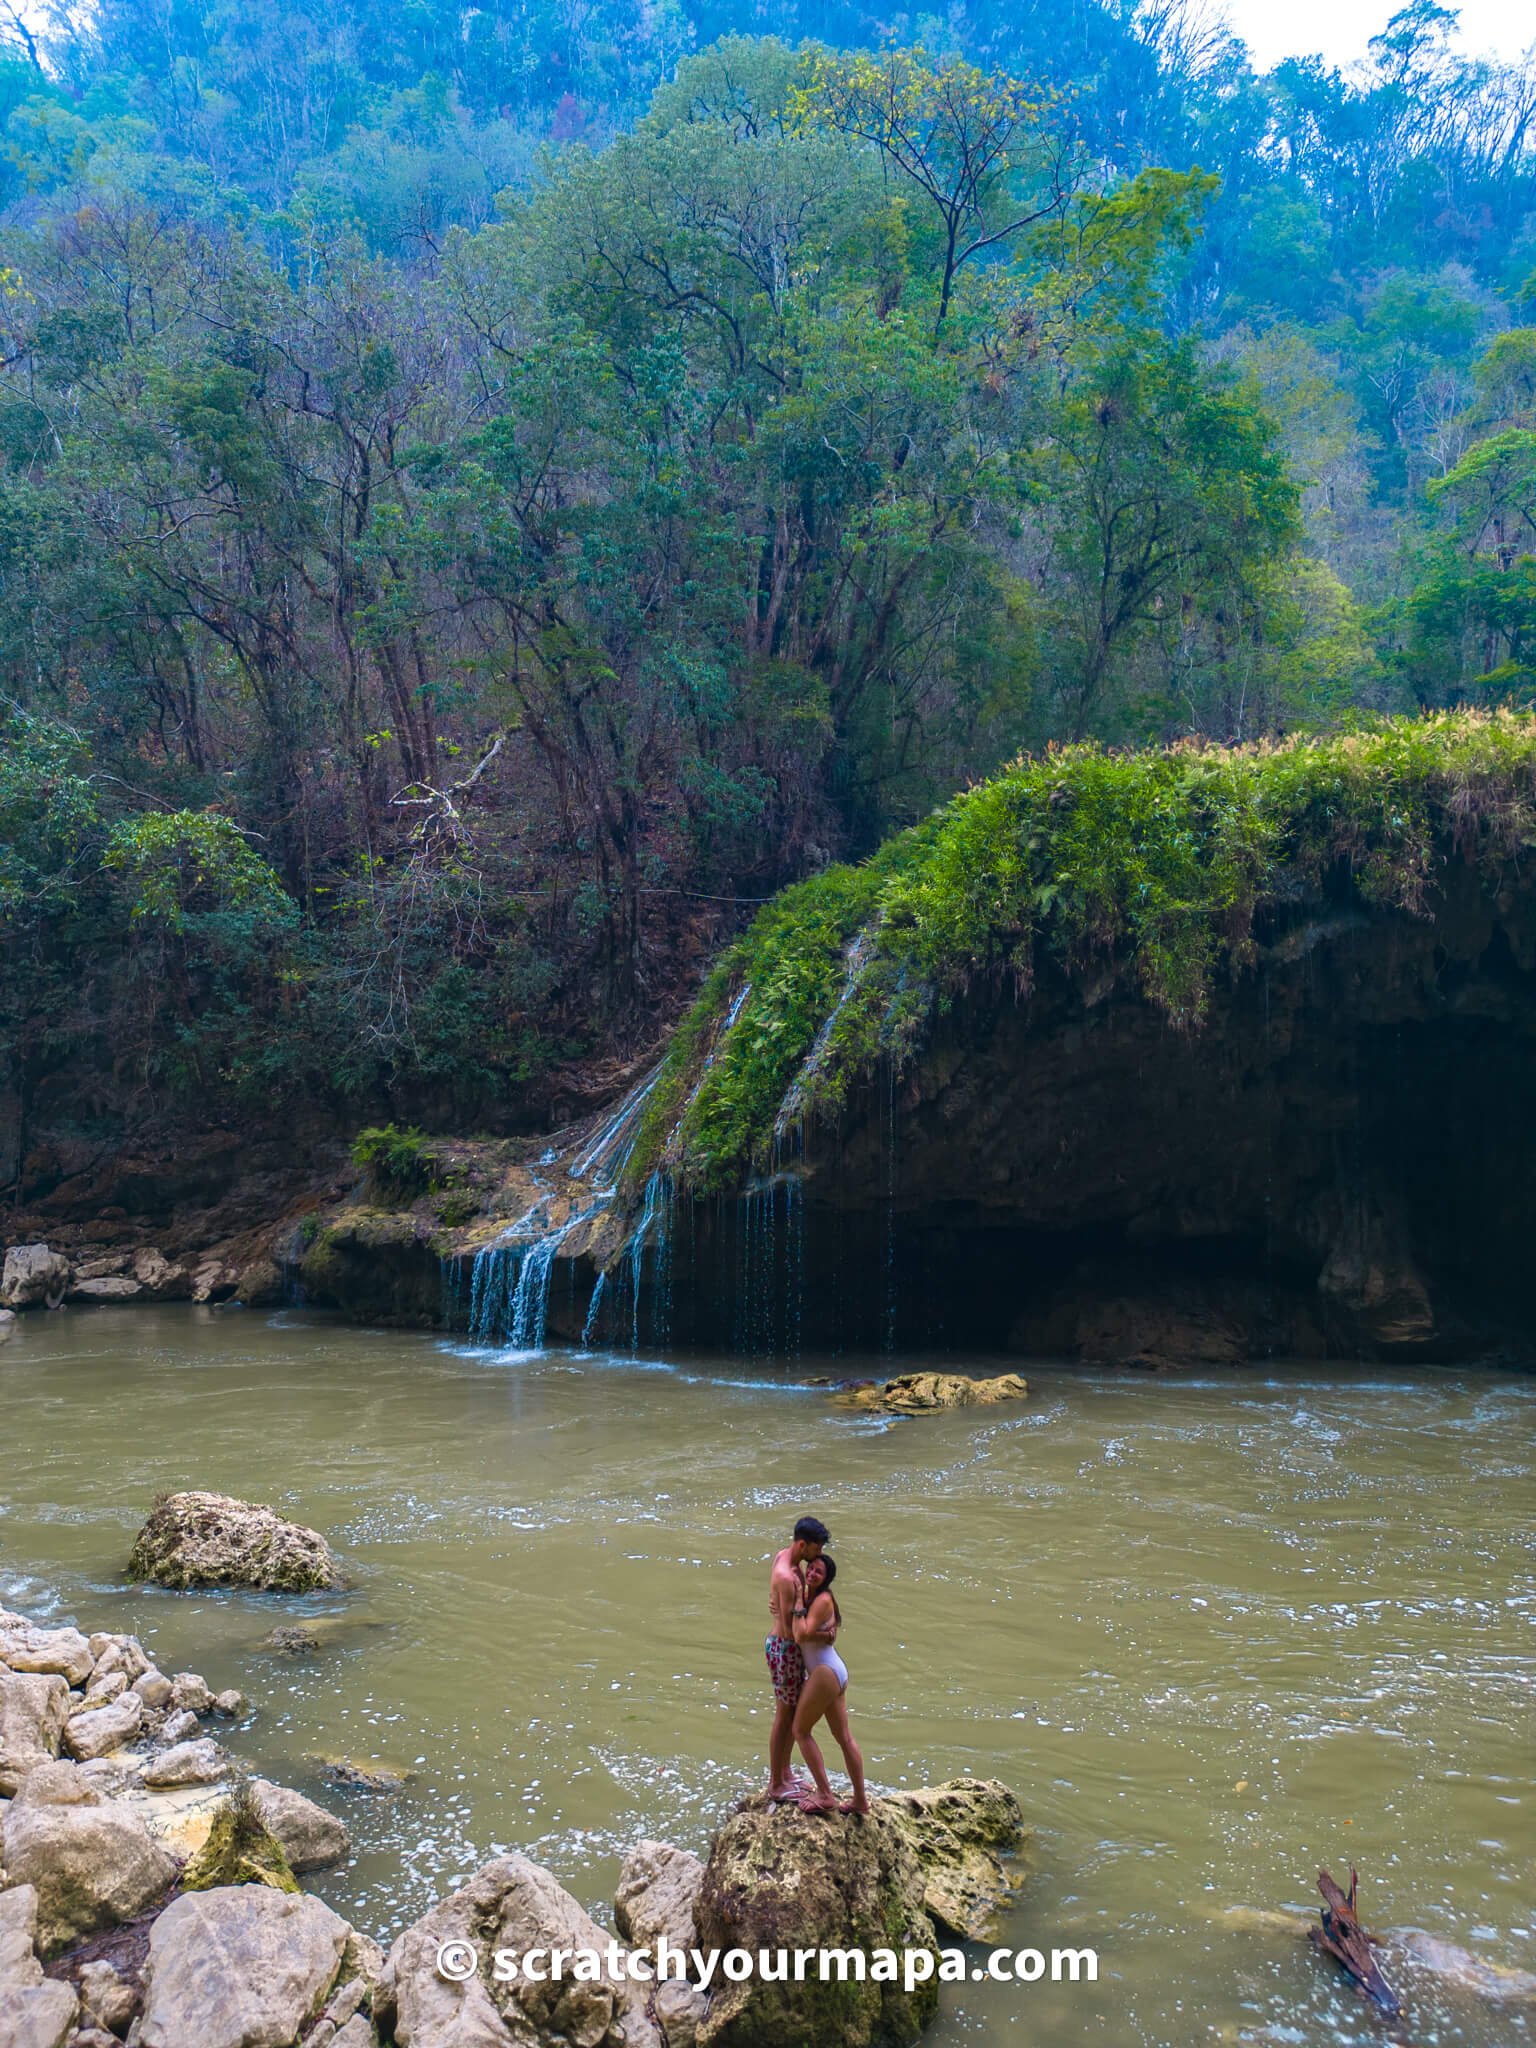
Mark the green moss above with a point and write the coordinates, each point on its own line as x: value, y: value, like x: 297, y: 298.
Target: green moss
x: 240, y: 1849
x: 1151, y: 863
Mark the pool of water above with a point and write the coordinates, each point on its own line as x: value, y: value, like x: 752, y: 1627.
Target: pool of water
x: 1214, y: 1631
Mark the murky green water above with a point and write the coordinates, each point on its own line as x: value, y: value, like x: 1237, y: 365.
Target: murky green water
x: 1214, y: 1632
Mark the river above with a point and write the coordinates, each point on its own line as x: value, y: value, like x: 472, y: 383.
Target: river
x: 1214, y: 1631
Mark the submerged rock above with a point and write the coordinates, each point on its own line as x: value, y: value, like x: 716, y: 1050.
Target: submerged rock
x: 960, y: 1833
x: 777, y: 1877
x: 1459, y: 1966
x: 208, y: 1539
x: 922, y: 1393
x: 510, y: 1904
x: 91, y: 1860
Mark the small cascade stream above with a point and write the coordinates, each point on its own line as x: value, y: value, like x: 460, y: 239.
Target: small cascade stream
x: 509, y: 1278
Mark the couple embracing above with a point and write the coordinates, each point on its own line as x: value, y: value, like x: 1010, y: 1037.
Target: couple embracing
x: 810, y: 1680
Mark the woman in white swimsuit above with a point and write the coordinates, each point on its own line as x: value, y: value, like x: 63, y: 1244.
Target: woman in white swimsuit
x: 824, y: 1696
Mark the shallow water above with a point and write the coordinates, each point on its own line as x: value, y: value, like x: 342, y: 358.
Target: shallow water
x: 1214, y: 1631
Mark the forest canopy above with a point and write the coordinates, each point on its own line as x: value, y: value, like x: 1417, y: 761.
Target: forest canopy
x: 487, y: 498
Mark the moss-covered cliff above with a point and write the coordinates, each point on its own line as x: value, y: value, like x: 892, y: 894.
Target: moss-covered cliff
x: 1196, y: 1053
x: 1158, y: 868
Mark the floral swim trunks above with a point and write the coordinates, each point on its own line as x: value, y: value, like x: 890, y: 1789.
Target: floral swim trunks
x: 786, y: 1667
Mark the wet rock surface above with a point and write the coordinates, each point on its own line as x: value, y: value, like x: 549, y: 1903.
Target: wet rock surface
x: 209, y: 1539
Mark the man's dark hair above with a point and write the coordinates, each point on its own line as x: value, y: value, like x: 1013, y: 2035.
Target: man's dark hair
x: 809, y: 1530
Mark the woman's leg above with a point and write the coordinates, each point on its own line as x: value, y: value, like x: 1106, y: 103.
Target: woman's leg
x: 817, y: 1695
x: 837, y: 1721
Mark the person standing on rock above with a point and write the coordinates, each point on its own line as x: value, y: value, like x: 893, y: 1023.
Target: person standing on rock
x: 786, y: 1664
x: 824, y: 1695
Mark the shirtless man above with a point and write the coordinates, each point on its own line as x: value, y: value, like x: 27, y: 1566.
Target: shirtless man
x: 786, y: 1664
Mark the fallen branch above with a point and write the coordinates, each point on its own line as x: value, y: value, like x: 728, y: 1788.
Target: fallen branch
x: 1342, y: 1937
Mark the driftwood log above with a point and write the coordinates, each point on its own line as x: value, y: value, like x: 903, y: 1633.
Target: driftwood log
x: 1342, y: 1937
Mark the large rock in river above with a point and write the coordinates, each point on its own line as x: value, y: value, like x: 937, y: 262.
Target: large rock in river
x: 207, y: 1539
x: 33, y: 1276
x: 250, y: 1968
x: 510, y: 1904
x: 91, y: 1860
x: 780, y: 1878
x: 923, y: 1393
x: 960, y: 1834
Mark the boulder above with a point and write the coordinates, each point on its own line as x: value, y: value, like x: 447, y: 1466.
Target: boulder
x: 19, y: 1966
x: 190, y: 1694
x: 7, y: 1323
x: 103, y: 1264
x: 230, y: 1704
x: 61, y: 1650
x: 960, y: 1834
x: 101, y: 1692
x: 213, y: 1281
x: 153, y: 1688
x: 922, y: 1393
x: 208, y: 1539
x: 34, y: 1707
x: 241, y: 1967
x: 239, y: 1848
x: 40, y: 2016
x: 157, y: 1275
x: 119, y: 1653
x: 104, y: 1728
x: 657, y: 1889
x: 108, y: 1996
x: 187, y: 1763
x: 259, y: 1283
x: 111, y: 1287
x: 510, y: 1904
x: 777, y: 1877
x: 92, y: 1861
x: 32, y: 1277
x: 179, y: 1726
x: 312, y: 1839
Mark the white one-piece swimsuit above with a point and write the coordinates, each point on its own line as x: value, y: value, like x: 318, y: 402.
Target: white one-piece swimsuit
x: 817, y: 1655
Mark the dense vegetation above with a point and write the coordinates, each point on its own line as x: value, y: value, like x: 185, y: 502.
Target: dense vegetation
x: 1153, y: 863
x: 483, y: 497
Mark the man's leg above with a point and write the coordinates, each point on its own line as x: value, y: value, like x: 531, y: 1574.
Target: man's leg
x: 781, y: 1746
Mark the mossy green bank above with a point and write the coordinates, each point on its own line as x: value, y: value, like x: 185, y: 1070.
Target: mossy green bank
x: 1153, y: 865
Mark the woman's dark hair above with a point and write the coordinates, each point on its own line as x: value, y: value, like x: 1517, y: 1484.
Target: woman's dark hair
x: 826, y: 1585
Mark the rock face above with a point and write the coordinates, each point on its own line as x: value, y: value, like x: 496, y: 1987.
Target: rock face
x: 960, y: 1834
x: 510, y: 1904
x: 312, y: 1839
x: 207, y: 1539
x: 779, y: 1878
x: 377, y: 1265
x: 658, y: 1889
x: 91, y: 1860
x: 34, y: 1708
x: 922, y: 1393
x: 33, y: 1277
x: 241, y: 1968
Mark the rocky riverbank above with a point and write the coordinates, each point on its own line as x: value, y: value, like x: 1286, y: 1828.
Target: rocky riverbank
x: 149, y: 1895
